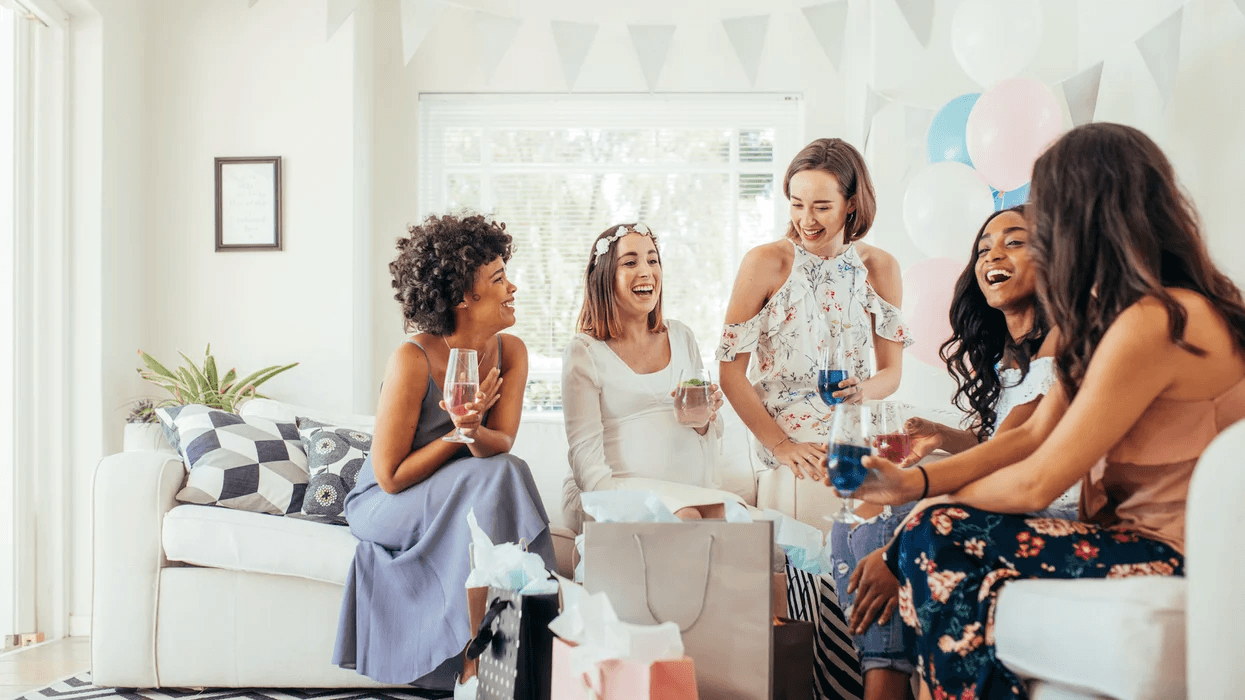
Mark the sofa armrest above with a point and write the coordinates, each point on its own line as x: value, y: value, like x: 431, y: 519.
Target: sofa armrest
x: 1215, y: 569
x: 130, y: 495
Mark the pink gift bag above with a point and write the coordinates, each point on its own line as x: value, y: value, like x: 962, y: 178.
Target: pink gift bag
x: 622, y: 679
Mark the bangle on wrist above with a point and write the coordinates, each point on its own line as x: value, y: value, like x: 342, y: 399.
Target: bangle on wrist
x: 780, y: 442
x: 924, y: 475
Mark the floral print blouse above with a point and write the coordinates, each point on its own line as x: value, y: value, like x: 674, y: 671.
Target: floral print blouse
x: 823, y: 303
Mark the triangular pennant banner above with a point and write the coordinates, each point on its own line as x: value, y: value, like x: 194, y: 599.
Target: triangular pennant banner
x: 1081, y: 92
x: 1160, y: 47
x: 573, y: 40
x: 1240, y: 5
x: 336, y: 13
x: 652, y: 43
x: 829, y: 22
x: 747, y: 35
x: 418, y: 19
x: 920, y: 17
x: 494, y: 35
x: 874, y: 102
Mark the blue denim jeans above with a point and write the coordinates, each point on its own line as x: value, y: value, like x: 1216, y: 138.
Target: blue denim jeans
x: 881, y: 646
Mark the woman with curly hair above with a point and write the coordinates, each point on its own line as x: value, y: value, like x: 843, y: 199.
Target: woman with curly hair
x: 617, y: 378
x: 404, y: 618
x: 1000, y: 354
x: 1151, y: 367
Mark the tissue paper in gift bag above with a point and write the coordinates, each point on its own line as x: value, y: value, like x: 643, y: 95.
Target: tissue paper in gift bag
x: 713, y: 579
x: 622, y: 679
x: 514, y: 644
x: 793, y: 659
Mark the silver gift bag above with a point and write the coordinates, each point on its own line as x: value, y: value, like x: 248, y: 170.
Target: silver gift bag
x: 713, y: 579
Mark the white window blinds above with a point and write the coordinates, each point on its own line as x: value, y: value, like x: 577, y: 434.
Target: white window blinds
x: 703, y: 171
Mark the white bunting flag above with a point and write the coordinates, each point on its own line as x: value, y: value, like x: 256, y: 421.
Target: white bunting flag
x: 418, y: 19
x: 874, y: 102
x: 336, y: 13
x: 829, y: 22
x: 1081, y: 92
x: 747, y: 35
x: 494, y: 35
x: 920, y: 17
x: 573, y: 40
x: 652, y: 44
x: 1160, y: 47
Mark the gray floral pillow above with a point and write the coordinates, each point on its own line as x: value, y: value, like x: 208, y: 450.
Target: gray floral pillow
x: 334, y: 457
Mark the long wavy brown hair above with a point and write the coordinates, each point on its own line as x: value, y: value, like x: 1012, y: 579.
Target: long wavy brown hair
x: 1110, y: 225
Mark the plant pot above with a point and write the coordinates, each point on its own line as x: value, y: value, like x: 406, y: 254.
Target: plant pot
x: 145, y: 437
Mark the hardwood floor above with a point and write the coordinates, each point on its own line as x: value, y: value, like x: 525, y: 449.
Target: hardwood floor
x: 22, y: 670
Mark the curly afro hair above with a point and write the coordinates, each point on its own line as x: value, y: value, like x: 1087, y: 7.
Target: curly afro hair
x: 436, y: 267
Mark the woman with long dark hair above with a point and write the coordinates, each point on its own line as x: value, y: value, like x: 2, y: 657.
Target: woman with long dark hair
x: 1000, y: 355
x: 1151, y: 367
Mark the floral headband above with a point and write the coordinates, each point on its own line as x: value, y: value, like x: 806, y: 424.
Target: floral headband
x: 603, y: 244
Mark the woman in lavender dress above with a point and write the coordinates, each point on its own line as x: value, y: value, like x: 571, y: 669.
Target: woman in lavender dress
x: 404, y: 615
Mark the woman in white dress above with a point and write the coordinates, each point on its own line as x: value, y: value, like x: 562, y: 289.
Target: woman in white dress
x: 618, y: 379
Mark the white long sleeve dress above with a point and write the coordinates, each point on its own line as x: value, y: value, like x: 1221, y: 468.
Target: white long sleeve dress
x: 622, y: 429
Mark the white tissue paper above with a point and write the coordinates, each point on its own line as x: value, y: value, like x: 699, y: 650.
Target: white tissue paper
x: 506, y: 566
x: 589, y: 622
x: 626, y: 507
x: 804, y: 544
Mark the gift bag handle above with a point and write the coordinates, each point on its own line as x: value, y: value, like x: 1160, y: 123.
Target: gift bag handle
x: 648, y: 600
x: 484, y: 636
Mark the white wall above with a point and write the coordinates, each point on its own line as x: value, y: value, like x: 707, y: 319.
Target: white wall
x: 222, y: 79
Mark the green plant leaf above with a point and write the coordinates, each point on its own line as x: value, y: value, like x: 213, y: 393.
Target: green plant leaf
x: 156, y: 366
x: 209, y: 370
x: 200, y: 380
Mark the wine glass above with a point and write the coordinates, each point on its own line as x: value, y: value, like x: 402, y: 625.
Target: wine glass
x: 848, y: 447
x: 890, y: 438
x: 693, y: 401
x: 462, y: 381
x: 832, y: 369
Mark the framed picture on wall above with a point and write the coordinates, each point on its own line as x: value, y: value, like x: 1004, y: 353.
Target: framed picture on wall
x: 248, y: 203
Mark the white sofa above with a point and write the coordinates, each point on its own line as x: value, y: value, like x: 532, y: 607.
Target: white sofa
x: 188, y: 595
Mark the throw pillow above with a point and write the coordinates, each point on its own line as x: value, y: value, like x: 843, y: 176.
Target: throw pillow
x: 334, y: 457
x: 247, y: 464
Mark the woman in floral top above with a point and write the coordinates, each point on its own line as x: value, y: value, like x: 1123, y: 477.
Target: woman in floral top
x: 817, y: 289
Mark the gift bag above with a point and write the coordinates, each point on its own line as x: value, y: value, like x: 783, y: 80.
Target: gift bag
x: 713, y: 579
x: 793, y: 659
x: 622, y: 679
x: 513, y: 645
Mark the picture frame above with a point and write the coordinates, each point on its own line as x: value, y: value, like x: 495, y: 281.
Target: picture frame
x: 248, y: 203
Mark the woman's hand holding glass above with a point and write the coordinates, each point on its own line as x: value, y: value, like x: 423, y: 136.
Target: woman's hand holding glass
x: 851, y: 390
x: 888, y: 484
x: 486, y: 397
x: 926, y: 437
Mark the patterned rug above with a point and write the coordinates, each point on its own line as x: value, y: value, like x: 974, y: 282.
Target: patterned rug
x: 79, y: 688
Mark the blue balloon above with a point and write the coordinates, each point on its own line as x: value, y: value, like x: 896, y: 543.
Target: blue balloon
x: 946, y: 139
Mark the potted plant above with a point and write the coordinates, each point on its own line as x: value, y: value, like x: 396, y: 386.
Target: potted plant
x: 192, y: 384
x: 142, y: 428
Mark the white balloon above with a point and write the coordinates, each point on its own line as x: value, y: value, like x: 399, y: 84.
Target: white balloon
x: 944, y: 207
x: 995, y: 39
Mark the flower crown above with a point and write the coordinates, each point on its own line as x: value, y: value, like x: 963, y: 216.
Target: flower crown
x: 603, y: 244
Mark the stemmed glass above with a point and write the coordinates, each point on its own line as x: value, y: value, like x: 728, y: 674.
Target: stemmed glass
x: 462, y: 381
x: 832, y: 368
x: 692, y: 400
x: 890, y: 438
x: 845, y: 454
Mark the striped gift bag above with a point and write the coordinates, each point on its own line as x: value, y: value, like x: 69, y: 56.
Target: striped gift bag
x: 836, y: 668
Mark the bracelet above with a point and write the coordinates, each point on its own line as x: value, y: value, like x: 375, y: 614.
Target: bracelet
x: 925, y: 475
x: 780, y: 442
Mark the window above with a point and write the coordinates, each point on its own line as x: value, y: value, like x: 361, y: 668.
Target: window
x: 703, y: 171
x: 8, y: 166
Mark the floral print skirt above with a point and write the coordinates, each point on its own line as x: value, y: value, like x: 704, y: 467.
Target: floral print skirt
x: 951, y: 562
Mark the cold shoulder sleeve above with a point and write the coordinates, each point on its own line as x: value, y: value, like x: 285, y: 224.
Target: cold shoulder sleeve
x: 585, y: 427
x: 887, y: 319
x: 739, y: 337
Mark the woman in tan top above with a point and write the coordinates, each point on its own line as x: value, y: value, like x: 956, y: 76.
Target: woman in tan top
x: 1151, y: 367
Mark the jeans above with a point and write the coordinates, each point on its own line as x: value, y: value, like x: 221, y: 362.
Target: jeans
x: 881, y: 646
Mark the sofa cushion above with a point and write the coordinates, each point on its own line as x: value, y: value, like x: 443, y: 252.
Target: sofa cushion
x: 334, y: 457
x: 242, y: 541
x: 235, y: 462
x: 1123, y: 638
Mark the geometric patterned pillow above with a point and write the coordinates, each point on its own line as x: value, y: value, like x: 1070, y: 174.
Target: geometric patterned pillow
x: 334, y: 457
x: 248, y: 464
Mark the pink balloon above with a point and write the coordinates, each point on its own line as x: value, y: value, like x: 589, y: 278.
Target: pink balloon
x: 931, y: 285
x: 1009, y: 127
